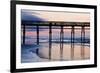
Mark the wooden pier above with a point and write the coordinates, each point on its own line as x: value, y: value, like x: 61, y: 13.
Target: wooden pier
x: 83, y: 26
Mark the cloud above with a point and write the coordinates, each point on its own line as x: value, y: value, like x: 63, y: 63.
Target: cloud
x: 28, y: 16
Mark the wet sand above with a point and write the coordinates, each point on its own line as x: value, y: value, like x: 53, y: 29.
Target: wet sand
x: 56, y: 55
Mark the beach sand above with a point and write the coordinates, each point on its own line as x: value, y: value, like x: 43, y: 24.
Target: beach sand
x: 55, y: 52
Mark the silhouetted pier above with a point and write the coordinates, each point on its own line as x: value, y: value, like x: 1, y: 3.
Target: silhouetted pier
x: 83, y: 26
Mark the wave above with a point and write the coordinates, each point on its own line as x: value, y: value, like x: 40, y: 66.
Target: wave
x: 65, y: 40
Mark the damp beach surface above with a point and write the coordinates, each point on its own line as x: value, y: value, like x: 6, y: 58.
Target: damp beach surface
x: 29, y: 54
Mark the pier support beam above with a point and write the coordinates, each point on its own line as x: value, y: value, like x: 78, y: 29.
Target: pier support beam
x: 50, y: 41
x: 37, y: 39
x: 82, y: 41
x: 72, y: 42
x: 61, y: 43
x: 24, y: 30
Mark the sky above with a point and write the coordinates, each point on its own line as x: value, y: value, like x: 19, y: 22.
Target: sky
x: 55, y: 16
